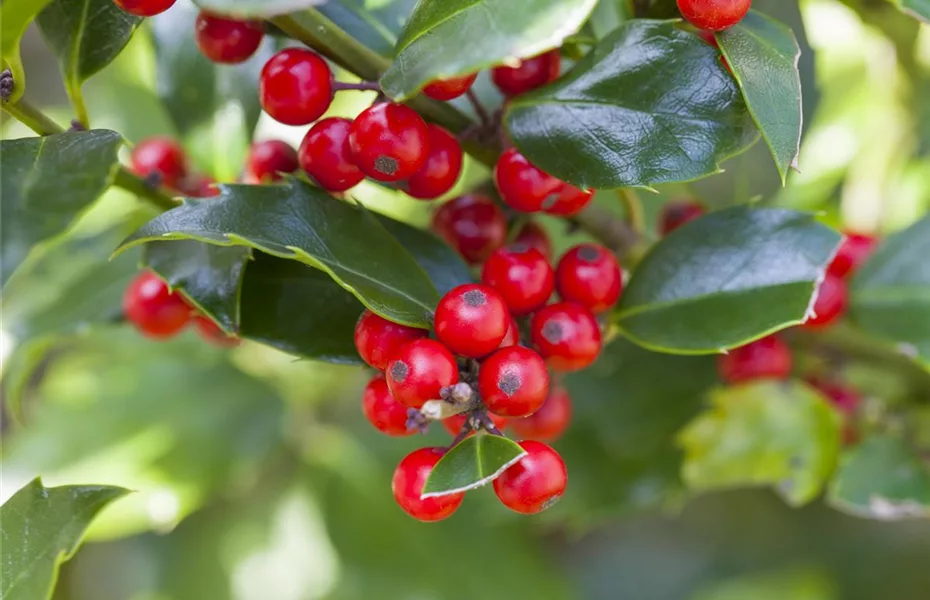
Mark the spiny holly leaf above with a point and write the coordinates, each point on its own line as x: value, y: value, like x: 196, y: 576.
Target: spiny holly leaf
x: 86, y: 35
x: 475, y: 461
x: 919, y: 9
x: 763, y: 55
x: 882, y: 479
x: 47, y: 182
x: 445, y: 267
x: 445, y: 38
x: 41, y: 528
x: 890, y: 295
x: 726, y: 279
x: 15, y: 17
x: 650, y: 104
x: 255, y: 8
x: 782, y: 434
x: 377, y: 26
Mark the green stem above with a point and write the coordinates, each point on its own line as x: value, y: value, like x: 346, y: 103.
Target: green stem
x: 131, y: 183
x: 32, y: 118
x: 634, y: 209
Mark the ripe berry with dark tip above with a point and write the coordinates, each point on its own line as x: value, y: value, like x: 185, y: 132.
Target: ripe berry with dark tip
x: 535, y: 482
x: 551, y: 420
x: 532, y: 235
x: 211, y: 332
x: 325, y: 155
x: 590, y: 275
x: 471, y: 320
x: 144, y: 8
x: 473, y: 224
x: 407, y: 484
x: 384, y: 412
x: 677, y: 213
x: 389, y: 142
x: 449, y: 89
x: 567, y: 335
x: 418, y: 371
x: 442, y: 168
x: 528, y: 75
x: 162, y: 157
x: 267, y: 160
x: 227, y: 41
x: 768, y: 358
x: 377, y: 339
x: 153, y: 309
x: 454, y: 423
x: 296, y: 86
x: 526, y: 188
x: 853, y: 251
x: 513, y: 382
x: 714, y: 15
x: 830, y: 305
x: 522, y: 276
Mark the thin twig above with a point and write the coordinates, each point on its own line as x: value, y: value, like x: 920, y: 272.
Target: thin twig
x: 362, y: 86
x: 634, y: 209
x: 480, y: 110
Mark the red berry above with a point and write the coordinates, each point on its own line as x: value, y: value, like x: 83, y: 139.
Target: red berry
x: 535, y: 482
x: 377, y: 339
x: 714, y: 15
x: 407, y: 484
x: 513, y: 382
x: 526, y: 188
x: 471, y: 320
x: 325, y: 155
x: 830, y: 305
x: 144, y: 8
x: 766, y: 358
x: 296, y: 86
x: 383, y: 411
x: 389, y: 142
x: 155, y: 311
x: 590, y: 275
x: 442, y: 168
x: 449, y: 89
x: 159, y: 156
x: 197, y: 185
x: 454, y: 423
x: 677, y: 213
x: 567, y: 335
x: 212, y: 333
x: 853, y: 251
x: 550, y: 421
x: 473, y: 224
x: 267, y: 160
x: 529, y: 74
x: 522, y: 276
x: 534, y: 236
x: 512, y: 337
x: 846, y: 400
x: 418, y: 371
x: 227, y: 40
x: 708, y: 37
x: 569, y: 201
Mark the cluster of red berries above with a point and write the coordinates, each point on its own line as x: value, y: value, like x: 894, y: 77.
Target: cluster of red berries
x: 714, y: 15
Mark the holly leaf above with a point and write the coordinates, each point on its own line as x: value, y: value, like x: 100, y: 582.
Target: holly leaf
x: 85, y: 35
x: 726, y: 279
x: 47, y: 183
x: 475, y: 461
x: 446, y: 38
x: 655, y: 9
x: 763, y: 55
x: 255, y: 8
x: 650, y: 104
x: 442, y: 264
x: 883, y: 479
x: 890, y: 294
x: 41, y: 528
x: 15, y: 17
x: 771, y: 433
x: 919, y: 9
x: 377, y: 26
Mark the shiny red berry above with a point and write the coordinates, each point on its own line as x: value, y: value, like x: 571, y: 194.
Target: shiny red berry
x: 677, y: 213
x: 551, y: 420
x: 853, y: 251
x: 567, y: 335
x: 473, y: 224
x: 455, y: 423
x: 521, y: 275
x: 442, y: 168
x: 535, y: 482
x: 407, y: 484
x: 267, y: 160
x: 526, y: 188
x: 211, y: 332
x: 714, y: 15
x: 227, y: 41
x: 377, y: 339
x: 471, y: 320
x: 198, y: 185
x: 529, y: 74
x: 512, y: 337
x: 153, y: 309
x: 513, y: 382
x: 590, y: 275
x: 845, y: 399
x: 418, y: 371
x: 162, y: 157
x: 568, y: 202
x: 451, y: 88
x: 831, y: 303
x: 768, y: 358
x: 533, y: 235
x: 389, y: 142
x: 384, y: 412
x: 144, y: 8
x: 325, y: 155
x: 296, y: 86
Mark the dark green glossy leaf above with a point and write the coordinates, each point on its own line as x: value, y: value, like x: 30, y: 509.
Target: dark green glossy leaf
x: 764, y: 54
x: 377, y: 26
x: 726, y: 279
x: 650, y: 104
x: 47, y: 182
x: 41, y: 528
x: 475, y: 461
x: 15, y: 17
x: 445, y: 267
x: 919, y: 9
x: 890, y: 295
x: 255, y: 8
x: 779, y: 434
x: 654, y: 9
x: 445, y: 38
x: 882, y: 478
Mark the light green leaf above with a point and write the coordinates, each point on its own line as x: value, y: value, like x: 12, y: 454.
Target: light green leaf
x: 919, y: 9
x: 793, y: 584
x: 15, y: 17
x: 378, y: 25
x: 476, y: 461
x: 255, y: 8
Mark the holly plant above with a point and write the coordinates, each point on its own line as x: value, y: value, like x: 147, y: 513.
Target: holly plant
x: 489, y: 216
